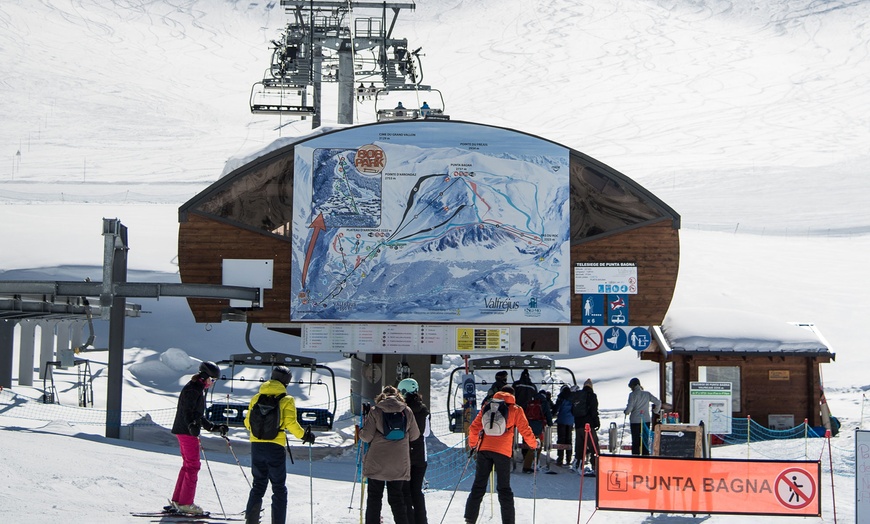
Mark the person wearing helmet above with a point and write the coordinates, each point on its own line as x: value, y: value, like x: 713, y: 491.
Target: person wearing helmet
x: 637, y: 410
x: 501, y: 380
x: 189, y: 418
x: 415, y: 500
x: 267, y: 455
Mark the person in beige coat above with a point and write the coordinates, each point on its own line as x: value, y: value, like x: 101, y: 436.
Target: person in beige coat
x: 387, y: 463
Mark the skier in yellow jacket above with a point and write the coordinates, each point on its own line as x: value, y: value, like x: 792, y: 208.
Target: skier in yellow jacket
x: 268, y: 463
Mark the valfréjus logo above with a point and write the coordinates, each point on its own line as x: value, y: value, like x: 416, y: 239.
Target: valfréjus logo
x: 501, y: 303
x: 370, y: 159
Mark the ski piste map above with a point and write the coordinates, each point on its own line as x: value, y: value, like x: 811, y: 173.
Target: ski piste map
x: 419, y: 223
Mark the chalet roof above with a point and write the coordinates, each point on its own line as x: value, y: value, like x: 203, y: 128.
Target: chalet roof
x: 710, y: 330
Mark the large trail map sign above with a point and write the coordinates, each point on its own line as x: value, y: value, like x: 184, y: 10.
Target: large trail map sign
x: 425, y: 222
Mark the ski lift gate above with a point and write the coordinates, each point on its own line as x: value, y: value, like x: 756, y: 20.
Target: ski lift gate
x: 233, y: 414
x: 498, y: 363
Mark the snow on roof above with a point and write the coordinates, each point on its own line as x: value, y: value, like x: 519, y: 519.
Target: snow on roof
x: 713, y: 330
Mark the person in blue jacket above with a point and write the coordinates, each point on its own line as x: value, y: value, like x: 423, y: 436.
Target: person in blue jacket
x: 564, y: 425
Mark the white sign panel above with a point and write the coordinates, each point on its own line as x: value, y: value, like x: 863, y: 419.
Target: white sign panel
x: 428, y: 339
x: 710, y: 403
x: 605, y: 278
x: 862, y: 476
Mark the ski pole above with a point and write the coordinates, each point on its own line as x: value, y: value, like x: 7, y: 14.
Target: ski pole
x: 362, y: 493
x: 535, y: 486
x: 237, y: 460
x: 467, y: 462
x: 358, y: 468
x: 310, y: 480
x: 202, y: 451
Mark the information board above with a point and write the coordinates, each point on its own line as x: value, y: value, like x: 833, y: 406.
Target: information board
x: 432, y: 339
x: 710, y: 403
x: 679, y: 440
x: 424, y: 223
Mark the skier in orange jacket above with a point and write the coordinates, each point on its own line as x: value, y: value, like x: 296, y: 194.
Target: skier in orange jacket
x: 495, y: 451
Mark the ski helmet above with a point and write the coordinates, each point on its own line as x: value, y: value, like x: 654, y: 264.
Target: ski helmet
x: 209, y: 369
x: 408, y: 385
x: 282, y: 374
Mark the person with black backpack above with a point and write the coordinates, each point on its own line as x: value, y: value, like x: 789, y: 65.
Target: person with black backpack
x: 389, y: 428
x: 189, y: 418
x: 271, y: 412
x: 585, y: 411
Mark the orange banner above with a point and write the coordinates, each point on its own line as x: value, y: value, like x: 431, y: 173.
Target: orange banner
x: 670, y: 485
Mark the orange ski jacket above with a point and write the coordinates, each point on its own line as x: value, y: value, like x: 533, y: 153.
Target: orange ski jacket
x: 502, y: 444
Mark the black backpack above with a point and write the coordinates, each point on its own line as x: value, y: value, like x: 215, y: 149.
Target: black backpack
x: 579, y: 404
x: 395, y: 424
x: 265, y: 417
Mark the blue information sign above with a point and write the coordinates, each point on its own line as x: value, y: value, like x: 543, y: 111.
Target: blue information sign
x: 639, y: 338
x: 593, y: 310
x: 617, y: 310
x: 615, y: 338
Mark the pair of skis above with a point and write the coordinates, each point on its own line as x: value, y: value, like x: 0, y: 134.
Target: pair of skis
x: 175, y: 516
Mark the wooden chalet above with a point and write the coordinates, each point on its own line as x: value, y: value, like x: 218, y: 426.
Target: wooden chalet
x: 774, y: 366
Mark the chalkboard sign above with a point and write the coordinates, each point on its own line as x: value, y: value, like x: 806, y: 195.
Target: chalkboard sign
x: 679, y: 440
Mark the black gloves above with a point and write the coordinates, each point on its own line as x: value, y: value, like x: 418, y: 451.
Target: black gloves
x: 308, y: 436
x: 222, y: 429
x: 193, y: 429
x: 366, y: 407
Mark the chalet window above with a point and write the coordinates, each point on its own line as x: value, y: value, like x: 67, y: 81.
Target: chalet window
x: 723, y: 374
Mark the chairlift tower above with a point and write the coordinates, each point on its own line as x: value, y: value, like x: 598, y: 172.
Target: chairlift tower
x: 319, y: 45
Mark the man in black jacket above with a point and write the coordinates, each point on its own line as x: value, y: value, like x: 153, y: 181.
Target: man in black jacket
x: 189, y: 418
x: 586, y: 412
x: 500, y: 382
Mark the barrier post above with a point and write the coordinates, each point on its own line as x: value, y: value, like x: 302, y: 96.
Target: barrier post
x: 748, y: 426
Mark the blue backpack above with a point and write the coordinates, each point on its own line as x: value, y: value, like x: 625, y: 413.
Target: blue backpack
x: 394, y: 425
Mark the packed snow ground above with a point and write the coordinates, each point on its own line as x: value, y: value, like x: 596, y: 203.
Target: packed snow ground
x: 749, y: 119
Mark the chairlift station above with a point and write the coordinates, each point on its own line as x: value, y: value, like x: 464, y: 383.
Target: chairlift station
x: 400, y: 241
